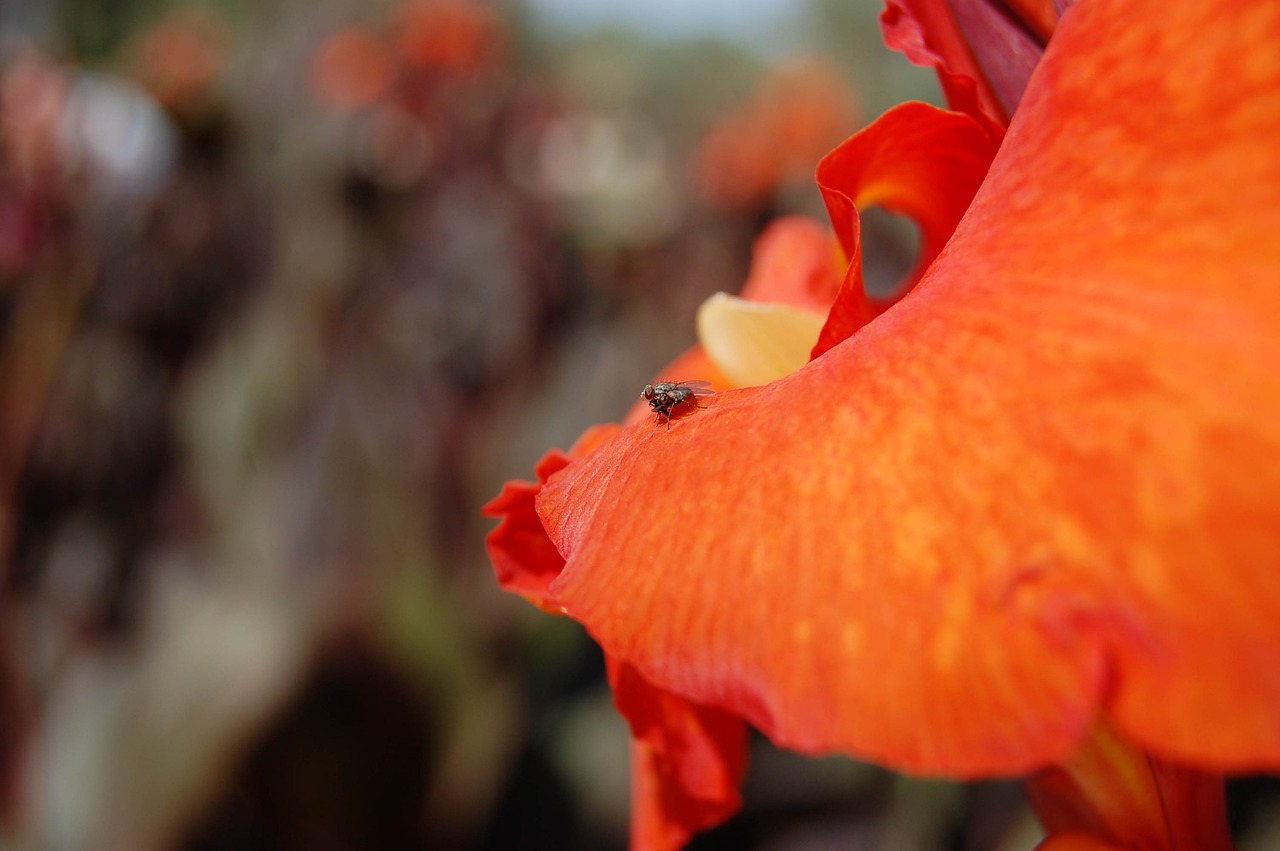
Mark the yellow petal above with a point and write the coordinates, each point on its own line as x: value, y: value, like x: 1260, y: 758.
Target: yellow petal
x: 756, y: 343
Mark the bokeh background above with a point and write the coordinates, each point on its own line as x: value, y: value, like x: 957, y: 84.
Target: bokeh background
x: 288, y: 289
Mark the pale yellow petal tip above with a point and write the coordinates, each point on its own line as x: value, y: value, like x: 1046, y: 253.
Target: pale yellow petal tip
x: 755, y: 343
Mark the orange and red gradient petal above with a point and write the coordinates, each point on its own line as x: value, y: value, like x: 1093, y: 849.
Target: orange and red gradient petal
x: 523, y: 557
x: 927, y: 33
x: 1041, y: 487
x: 915, y: 160
x: 983, y: 51
x: 687, y: 762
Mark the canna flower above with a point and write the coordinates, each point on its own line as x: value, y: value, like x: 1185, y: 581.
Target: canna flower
x: 688, y: 759
x: 1024, y: 519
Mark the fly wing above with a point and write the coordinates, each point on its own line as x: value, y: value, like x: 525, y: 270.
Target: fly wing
x: 698, y: 388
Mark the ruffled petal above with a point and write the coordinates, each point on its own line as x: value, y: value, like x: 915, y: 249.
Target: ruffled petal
x: 927, y: 33
x: 523, y: 557
x: 915, y: 160
x: 1006, y: 51
x: 982, y: 51
x: 687, y: 762
x: 1041, y: 487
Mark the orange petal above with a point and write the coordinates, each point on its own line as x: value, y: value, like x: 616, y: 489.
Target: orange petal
x: 694, y: 364
x: 795, y: 261
x: 1041, y: 486
x: 983, y: 51
x: 916, y: 160
x: 687, y: 762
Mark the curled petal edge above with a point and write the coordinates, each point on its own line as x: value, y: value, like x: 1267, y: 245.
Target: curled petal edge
x: 915, y: 160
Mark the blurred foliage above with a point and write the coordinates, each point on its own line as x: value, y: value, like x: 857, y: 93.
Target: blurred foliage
x: 287, y: 290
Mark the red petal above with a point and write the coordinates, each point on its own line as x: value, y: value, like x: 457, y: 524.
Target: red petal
x: 1006, y: 52
x: 927, y: 34
x: 915, y: 160
x: 1040, y: 17
x: 983, y: 51
x: 523, y: 556
x: 1042, y: 486
x: 687, y: 762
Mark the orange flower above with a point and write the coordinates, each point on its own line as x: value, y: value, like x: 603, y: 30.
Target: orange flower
x: 1037, y: 493
x: 687, y: 758
x: 454, y: 35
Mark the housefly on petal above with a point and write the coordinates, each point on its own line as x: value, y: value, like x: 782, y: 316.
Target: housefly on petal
x: 666, y: 396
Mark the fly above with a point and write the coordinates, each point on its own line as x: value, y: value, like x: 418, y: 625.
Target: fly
x: 666, y: 396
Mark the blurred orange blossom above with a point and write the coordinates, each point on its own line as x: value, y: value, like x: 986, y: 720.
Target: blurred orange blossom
x: 800, y: 110
x: 357, y: 66
x: 1027, y: 518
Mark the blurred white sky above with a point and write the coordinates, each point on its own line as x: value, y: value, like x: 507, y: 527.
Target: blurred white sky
x: 749, y: 21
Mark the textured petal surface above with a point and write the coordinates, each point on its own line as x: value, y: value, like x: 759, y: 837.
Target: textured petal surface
x: 1041, y: 487
x: 694, y: 364
x: 917, y: 161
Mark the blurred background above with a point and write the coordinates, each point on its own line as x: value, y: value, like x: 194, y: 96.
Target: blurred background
x: 287, y: 291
